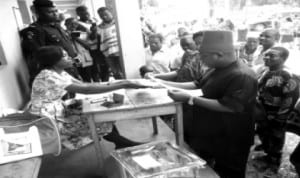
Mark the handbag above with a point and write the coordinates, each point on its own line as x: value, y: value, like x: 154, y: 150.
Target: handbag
x: 24, y: 135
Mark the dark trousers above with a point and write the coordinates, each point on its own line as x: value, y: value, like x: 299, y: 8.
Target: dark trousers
x: 120, y: 141
x: 272, y: 136
x: 227, y: 161
x: 100, y: 68
x: 187, y: 122
x: 295, y: 159
x: 104, y: 70
x: 114, y: 63
x: 235, y: 167
x: 74, y: 72
x: 86, y: 73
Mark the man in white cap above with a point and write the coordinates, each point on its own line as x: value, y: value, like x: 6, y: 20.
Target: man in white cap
x: 222, y: 124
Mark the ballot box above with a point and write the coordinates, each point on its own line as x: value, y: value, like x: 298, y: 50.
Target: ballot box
x: 158, y: 160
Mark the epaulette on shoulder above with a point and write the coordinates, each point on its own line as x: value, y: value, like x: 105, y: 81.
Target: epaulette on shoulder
x: 31, y: 27
x: 34, y: 27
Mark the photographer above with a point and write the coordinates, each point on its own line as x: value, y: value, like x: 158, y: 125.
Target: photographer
x: 84, y: 60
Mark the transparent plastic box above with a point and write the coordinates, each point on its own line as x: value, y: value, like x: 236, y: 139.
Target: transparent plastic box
x: 158, y: 160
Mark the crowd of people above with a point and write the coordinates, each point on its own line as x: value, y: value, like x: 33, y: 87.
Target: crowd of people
x: 272, y: 88
x: 247, y: 90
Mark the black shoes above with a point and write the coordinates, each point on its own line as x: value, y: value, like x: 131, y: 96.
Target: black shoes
x: 119, y: 140
x: 123, y: 142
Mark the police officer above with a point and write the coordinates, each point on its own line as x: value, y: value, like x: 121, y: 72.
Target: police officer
x: 45, y: 31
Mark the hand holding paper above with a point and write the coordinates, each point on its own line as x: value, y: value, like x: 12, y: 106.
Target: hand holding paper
x: 178, y: 95
x: 195, y: 92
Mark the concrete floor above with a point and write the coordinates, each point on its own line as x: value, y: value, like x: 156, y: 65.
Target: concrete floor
x: 142, y: 130
x: 139, y: 130
x: 286, y: 169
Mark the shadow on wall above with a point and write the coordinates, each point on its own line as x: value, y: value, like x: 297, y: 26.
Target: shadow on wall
x: 2, y: 55
x: 22, y: 81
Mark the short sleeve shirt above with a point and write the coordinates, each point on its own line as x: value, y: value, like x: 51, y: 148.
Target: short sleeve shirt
x: 159, y: 61
x: 47, y: 91
x: 46, y: 99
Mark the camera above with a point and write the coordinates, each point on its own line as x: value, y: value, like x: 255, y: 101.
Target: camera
x: 77, y: 62
x: 75, y: 34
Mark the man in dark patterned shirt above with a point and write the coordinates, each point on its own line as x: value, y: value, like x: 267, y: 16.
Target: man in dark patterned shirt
x: 278, y: 93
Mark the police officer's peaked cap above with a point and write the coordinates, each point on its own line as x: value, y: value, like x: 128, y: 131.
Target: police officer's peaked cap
x: 43, y: 3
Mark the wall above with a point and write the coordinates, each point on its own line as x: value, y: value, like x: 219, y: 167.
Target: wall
x: 93, y: 6
x: 130, y: 35
x: 14, y: 91
x: 13, y: 76
x: 26, y: 16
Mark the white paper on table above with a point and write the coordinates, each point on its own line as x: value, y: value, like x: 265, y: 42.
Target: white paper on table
x: 146, y: 161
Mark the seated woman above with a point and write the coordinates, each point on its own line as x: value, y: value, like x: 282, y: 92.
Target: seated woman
x: 52, y: 83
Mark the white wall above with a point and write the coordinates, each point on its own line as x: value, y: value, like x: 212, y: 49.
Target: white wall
x: 93, y: 6
x: 13, y: 76
x: 130, y: 35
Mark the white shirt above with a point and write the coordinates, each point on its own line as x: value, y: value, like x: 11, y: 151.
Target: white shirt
x: 159, y: 61
x: 47, y: 91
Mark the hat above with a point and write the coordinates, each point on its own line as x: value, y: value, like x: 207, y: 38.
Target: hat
x: 43, y: 3
x: 217, y: 41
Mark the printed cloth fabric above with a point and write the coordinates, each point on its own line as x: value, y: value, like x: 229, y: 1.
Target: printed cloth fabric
x: 47, y: 90
x: 192, y: 68
x: 278, y: 93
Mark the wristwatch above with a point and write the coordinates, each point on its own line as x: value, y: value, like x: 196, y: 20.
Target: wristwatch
x: 191, y: 100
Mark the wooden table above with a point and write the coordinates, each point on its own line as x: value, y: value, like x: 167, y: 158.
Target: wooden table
x: 138, y: 103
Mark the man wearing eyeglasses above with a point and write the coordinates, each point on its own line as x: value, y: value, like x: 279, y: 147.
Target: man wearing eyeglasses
x: 278, y: 92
